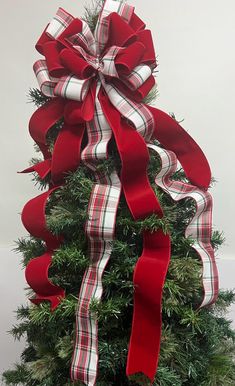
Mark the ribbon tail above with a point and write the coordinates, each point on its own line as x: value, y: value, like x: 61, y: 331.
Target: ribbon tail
x: 54, y: 300
x: 149, y: 277
x: 37, y: 277
x: 151, y: 268
x: 36, y: 273
x: 85, y: 356
x: 41, y: 168
x: 173, y: 137
x: 42, y: 120
x: 133, y: 151
x: 200, y: 227
x: 66, y: 155
x: 99, y: 229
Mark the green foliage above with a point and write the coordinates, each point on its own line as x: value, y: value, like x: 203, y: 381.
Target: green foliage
x: 92, y: 12
x: 36, y: 97
x: 29, y: 247
x: 18, y: 376
x: 217, y: 239
x: 167, y: 377
x: 152, y: 95
x: 42, y: 368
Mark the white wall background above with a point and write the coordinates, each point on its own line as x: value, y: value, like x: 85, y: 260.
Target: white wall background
x: 194, y: 41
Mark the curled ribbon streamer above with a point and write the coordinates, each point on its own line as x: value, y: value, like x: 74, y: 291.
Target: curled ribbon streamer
x: 34, y: 218
x: 37, y: 269
x: 200, y: 227
x: 96, y: 83
x: 68, y: 143
x: 41, y: 122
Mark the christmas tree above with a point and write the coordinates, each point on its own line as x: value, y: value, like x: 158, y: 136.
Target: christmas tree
x: 197, y: 344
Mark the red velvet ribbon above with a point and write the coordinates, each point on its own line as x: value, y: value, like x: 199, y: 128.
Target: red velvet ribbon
x: 173, y: 137
x: 41, y: 168
x: 34, y: 220
x: 65, y: 157
x: 151, y: 268
x: 42, y: 120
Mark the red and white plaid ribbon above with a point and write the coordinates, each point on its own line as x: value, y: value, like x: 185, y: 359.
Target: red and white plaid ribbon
x: 100, y: 228
x: 100, y: 232
x: 200, y: 227
x: 102, y: 27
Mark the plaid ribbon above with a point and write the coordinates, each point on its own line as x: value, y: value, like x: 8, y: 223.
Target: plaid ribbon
x: 200, y: 227
x: 69, y: 87
x: 102, y: 27
x: 46, y: 83
x: 137, y: 113
x: 59, y: 23
x: 99, y: 229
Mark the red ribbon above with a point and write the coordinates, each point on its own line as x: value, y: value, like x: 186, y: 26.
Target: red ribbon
x: 173, y: 137
x: 65, y: 157
x: 33, y: 218
x: 151, y: 268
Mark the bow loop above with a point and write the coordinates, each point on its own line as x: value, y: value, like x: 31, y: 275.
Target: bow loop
x: 85, y: 39
x: 51, y: 52
x: 66, y: 37
x: 108, y: 65
x: 76, y: 64
x: 128, y: 58
x: 59, y: 23
x: 149, y: 55
x: 69, y: 30
x: 46, y: 83
x: 138, y: 77
x: 44, y: 38
x: 71, y: 87
x: 136, y: 23
x: 102, y: 27
x: 139, y: 93
x: 120, y: 33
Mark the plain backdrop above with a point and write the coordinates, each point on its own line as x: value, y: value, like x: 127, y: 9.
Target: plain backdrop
x: 194, y: 41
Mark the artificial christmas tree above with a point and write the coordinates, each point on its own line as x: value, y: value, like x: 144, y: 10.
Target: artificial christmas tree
x: 96, y: 104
